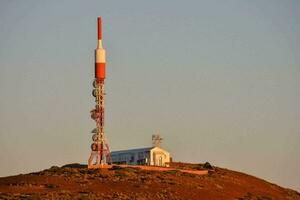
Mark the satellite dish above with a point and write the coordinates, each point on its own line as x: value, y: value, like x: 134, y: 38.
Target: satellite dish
x: 94, y: 147
x: 95, y: 130
x: 94, y: 92
x: 95, y: 84
x: 95, y: 137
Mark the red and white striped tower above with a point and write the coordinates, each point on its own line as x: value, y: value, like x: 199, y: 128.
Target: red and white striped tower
x: 100, y: 154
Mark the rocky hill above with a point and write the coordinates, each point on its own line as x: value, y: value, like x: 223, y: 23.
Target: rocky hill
x: 77, y: 182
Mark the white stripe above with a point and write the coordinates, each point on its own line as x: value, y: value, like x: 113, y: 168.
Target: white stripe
x: 100, y: 56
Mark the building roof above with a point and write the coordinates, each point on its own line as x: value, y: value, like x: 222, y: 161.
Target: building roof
x: 135, y: 150
x: 131, y: 150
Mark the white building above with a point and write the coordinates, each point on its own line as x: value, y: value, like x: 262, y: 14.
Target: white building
x: 144, y: 156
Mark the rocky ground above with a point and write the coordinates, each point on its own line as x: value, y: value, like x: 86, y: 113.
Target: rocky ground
x: 126, y: 183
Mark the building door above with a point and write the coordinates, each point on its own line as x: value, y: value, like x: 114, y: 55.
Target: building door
x: 160, y: 161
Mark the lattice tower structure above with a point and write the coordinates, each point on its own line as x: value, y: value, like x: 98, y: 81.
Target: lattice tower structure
x: 100, y: 153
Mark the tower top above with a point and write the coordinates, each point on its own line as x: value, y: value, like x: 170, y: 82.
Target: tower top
x: 99, y: 28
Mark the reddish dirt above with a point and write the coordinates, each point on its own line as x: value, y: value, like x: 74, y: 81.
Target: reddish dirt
x: 156, y: 168
x: 141, y: 184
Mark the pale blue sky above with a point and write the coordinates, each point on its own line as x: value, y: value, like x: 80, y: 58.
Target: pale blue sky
x: 220, y: 81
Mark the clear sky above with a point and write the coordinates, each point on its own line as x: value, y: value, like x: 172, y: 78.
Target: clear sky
x: 219, y: 80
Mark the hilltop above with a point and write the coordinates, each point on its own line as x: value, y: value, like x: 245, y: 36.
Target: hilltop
x: 126, y: 183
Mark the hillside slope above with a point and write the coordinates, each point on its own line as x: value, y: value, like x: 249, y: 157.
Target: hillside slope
x: 76, y: 181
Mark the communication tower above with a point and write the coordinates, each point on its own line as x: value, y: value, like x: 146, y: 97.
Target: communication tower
x: 100, y: 153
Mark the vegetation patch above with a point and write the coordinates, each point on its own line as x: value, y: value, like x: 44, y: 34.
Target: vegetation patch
x: 116, y: 167
x: 51, y: 185
x: 208, y: 166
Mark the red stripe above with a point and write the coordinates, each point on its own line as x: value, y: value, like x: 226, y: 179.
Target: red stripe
x: 99, y: 28
x: 100, y: 70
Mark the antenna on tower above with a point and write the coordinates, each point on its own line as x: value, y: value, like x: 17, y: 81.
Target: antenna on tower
x: 156, y: 140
